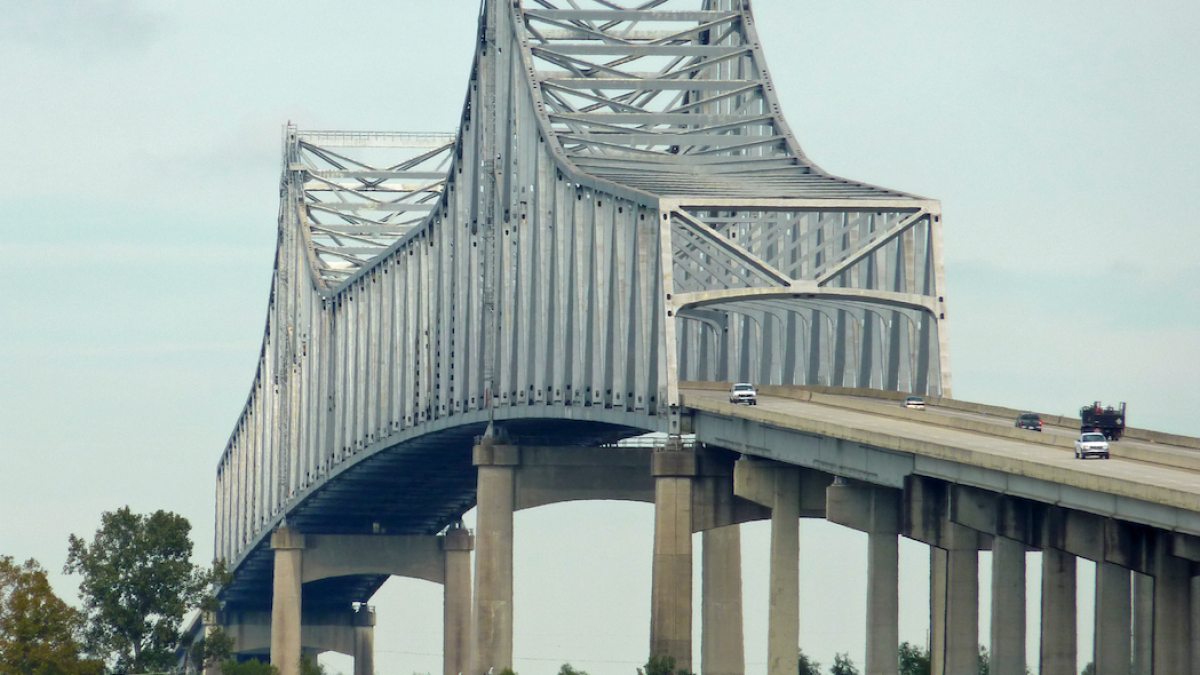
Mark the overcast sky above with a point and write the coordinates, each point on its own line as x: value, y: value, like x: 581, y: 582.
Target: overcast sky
x: 138, y: 201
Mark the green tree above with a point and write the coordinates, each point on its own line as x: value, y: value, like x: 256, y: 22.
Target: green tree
x: 1089, y: 669
x: 251, y: 667
x: 310, y: 666
x: 567, y: 669
x: 914, y: 660
x: 842, y: 665
x: 808, y: 666
x: 37, y: 629
x: 985, y: 660
x: 660, y: 664
x: 214, y: 648
x: 138, y: 583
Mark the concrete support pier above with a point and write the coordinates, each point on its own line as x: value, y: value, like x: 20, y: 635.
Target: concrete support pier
x: 1058, y: 648
x: 364, y: 641
x: 954, y: 589
x: 876, y: 511
x: 457, y: 544
x: 1172, y: 611
x: 1008, y: 607
x: 285, y: 601
x: 1143, y: 624
x: 783, y: 619
x: 492, y: 622
x: 722, y: 641
x: 1112, y: 634
x: 883, y: 604
x: 671, y: 595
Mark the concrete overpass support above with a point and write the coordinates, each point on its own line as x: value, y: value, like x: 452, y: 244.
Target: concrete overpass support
x: 493, y: 612
x: 285, y: 601
x: 953, y: 572
x: 321, y: 630
x: 1058, y: 644
x: 722, y: 646
x: 788, y: 492
x: 1172, y: 610
x: 883, y: 603
x: 1195, y: 619
x: 876, y: 511
x: 1008, y: 607
x: 959, y: 622
x: 783, y: 619
x: 1112, y: 634
x: 457, y: 544
x: 671, y: 595
x: 364, y: 641
x: 1143, y: 624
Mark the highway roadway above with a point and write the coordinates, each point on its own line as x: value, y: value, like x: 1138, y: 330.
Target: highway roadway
x: 1046, y: 455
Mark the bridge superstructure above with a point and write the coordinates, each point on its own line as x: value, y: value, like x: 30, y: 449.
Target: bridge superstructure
x: 622, y: 208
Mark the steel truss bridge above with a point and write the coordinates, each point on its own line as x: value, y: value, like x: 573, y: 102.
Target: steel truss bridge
x: 622, y: 208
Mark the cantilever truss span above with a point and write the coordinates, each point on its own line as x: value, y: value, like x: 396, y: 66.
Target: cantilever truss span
x: 622, y: 207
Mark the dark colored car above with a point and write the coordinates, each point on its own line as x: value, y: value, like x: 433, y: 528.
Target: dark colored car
x: 1029, y: 421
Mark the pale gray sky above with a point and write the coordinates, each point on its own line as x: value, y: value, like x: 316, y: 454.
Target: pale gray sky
x: 138, y: 196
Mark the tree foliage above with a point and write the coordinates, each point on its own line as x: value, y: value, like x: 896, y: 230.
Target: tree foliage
x: 661, y: 664
x: 1089, y: 669
x: 842, y: 665
x: 567, y: 669
x: 250, y: 667
x: 138, y: 583
x: 37, y: 629
x: 914, y: 660
x: 807, y: 666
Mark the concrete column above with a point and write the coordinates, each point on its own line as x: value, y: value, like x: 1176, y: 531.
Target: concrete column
x: 1058, y: 649
x: 722, y: 647
x: 1143, y: 624
x: 783, y: 619
x: 457, y: 545
x: 493, y: 613
x: 1008, y: 607
x: 671, y: 595
x: 285, y: 601
x: 1172, y: 614
x: 876, y: 511
x: 364, y: 641
x: 883, y: 603
x: 955, y: 584
x: 1195, y: 622
x: 937, y: 610
x: 1111, y: 638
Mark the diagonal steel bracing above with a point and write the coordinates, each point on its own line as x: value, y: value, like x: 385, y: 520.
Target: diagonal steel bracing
x: 623, y: 206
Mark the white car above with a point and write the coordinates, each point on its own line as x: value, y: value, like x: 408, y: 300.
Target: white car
x: 743, y: 392
x: 914, y: 403
x: 1091, y: 444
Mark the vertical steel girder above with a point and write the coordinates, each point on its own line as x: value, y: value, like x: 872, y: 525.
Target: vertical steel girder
x: 623, y: 207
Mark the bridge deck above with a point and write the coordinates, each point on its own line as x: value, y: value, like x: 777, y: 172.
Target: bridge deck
x: 969, y: 441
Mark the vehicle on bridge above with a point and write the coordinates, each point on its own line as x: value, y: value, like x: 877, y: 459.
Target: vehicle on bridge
x: 1029, y: 420
x: 743, y: 392
x: 1109, y: 421
x: 1091, y: 444
x: 914, y: 403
